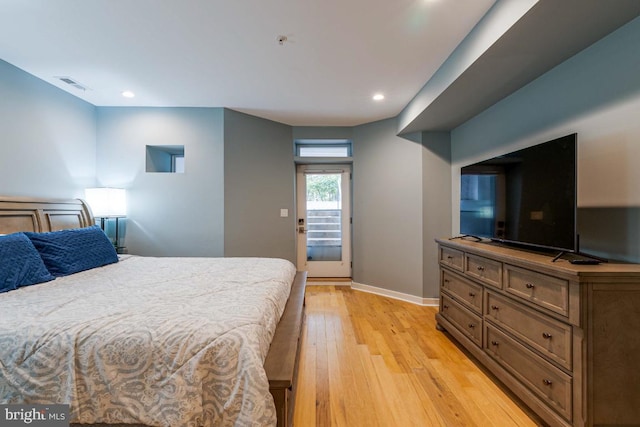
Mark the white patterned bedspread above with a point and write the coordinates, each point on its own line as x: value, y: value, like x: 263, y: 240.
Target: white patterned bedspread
x: 156, y: 341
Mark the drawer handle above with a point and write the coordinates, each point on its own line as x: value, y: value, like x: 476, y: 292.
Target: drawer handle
x: 444, y: 307
x: 446, y: 280
x: 472, y: 294
x: 495, y: 307
x: 471, y: 325
x: 529, y: 285
x: 480, y: 268
x: 494, y: 343
x: 449, y: 257
x: 547, y: 382
x: 546, y: 335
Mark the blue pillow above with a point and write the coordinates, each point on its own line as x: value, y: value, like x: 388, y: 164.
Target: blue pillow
x: 70, y: 251
x: 20, y: 263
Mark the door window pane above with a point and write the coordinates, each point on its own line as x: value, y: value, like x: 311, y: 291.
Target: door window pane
x: 324, y: 217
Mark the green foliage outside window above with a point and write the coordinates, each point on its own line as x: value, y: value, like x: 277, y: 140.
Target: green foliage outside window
x: 323, y: 187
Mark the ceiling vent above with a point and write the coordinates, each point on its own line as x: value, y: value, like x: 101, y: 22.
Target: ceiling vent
x: 72, y: 82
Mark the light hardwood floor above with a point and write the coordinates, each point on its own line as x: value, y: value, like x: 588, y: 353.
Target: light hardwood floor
x: 368, y: 360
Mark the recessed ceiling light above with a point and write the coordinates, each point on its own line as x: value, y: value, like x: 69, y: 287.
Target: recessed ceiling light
x: 378, y: 97
x: 128, y: 94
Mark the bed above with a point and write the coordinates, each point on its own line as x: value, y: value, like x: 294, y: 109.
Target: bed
x: 144, y: 340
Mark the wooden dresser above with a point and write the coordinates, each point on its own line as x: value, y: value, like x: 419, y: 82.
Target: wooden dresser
x: 564, y: 338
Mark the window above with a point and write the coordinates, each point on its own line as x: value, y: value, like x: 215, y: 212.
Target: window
x: 323, y: 151
x: 323, y: 148
x: 165, y: 158
x: 177, y: 163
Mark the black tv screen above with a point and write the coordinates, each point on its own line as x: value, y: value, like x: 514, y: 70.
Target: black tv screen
x: 527, y: 197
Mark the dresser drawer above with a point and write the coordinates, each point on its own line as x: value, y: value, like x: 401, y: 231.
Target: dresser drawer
x: 551, y: 384
x: 467, y: 322
x: 484, y: 270
x: 549, y: 336
x: 546, y: 291
x: 463, y: 290
x: 452, y: 258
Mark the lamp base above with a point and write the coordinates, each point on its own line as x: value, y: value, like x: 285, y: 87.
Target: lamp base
x: 116, y: 239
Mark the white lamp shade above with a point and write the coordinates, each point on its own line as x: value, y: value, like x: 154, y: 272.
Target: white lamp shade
x: 106, y: 202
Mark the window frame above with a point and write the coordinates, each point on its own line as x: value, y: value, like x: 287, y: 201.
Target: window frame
x: 344, y: 145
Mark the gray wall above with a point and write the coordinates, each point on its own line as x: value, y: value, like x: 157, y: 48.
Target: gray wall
x: 319, y: 132
x: 168, y: 214
x: 401, y: 203
x: 240, y: 171
x: 48, y: 146
x: 596, y: 93
x: 436, y: 202
x: 387, y: 209
x: 259, y: 176
x: 502, y: 15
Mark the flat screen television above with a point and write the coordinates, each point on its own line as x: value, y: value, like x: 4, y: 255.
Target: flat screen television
x: 527, y: 197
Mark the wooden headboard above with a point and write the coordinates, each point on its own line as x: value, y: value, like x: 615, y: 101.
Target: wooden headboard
x: 35, y: 214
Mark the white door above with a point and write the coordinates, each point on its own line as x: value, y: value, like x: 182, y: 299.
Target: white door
x: 324, y: 220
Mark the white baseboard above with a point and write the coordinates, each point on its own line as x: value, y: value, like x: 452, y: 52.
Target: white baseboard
x: 427, y: 302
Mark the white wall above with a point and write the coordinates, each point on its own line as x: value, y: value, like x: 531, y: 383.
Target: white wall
x: 48, y: 146
x: 168, y: 214
x: 596, y: 93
